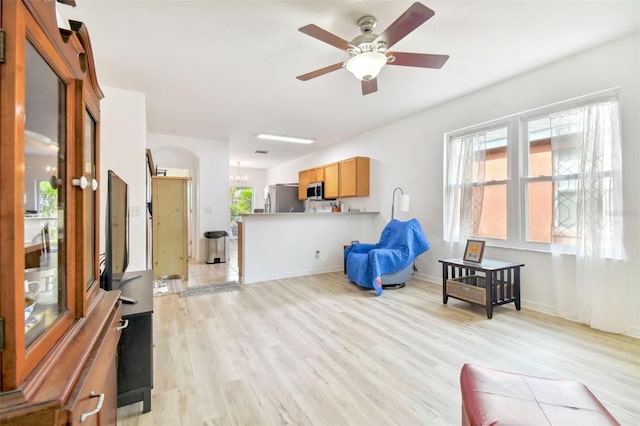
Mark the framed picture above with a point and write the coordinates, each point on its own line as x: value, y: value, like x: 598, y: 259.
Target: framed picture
x: 474, y: 251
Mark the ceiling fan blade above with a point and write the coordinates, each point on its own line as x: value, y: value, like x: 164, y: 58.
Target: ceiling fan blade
x: 423, y: 60
x: 321, y: 71
x: 324, y: 35
x: 411, y: 19
x: 369, y: 86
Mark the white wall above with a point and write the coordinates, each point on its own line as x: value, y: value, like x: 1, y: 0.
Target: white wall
x: 210, y: 179
x: 409, y: 153
x: 122, y: 149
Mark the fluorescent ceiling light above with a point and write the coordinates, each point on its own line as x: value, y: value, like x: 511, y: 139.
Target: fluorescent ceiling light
x: 281, y: 138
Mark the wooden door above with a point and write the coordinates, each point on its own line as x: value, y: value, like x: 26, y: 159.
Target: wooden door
x: 170, y: 226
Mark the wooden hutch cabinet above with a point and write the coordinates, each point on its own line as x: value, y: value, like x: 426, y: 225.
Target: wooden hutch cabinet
x: 58, y: 330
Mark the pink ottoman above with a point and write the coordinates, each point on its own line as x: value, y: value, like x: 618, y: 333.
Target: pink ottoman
x: 494, y: 397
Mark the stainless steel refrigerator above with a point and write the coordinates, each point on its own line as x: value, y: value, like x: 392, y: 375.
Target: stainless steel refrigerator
x: 283, y: 198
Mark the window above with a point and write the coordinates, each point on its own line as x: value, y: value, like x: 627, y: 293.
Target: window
x: 481, y: 181
x: 47, y: 199
x: 543, y: 179
x: 552, y: 179
x: 240, y: 202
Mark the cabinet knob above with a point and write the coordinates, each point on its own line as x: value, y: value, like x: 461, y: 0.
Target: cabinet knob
x: 82, y: 182
x: 94, y: 184
x: 55, y: 182
x: 96, y: 410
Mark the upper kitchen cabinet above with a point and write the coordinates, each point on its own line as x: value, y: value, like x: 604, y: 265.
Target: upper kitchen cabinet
x: 55, y: 320
x: 354, y: 177
x: 347, y: 178
x: 306, y: 177
x: 331, y: 181
x: 316, y: 174
x: 303, y: 181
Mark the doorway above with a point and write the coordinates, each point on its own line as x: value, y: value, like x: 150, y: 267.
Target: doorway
x: 240, y: 202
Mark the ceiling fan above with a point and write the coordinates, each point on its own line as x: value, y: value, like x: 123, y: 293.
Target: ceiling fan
x: 368, y: 51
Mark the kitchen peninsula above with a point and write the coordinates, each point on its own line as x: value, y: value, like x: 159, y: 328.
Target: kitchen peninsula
x: 282, y: 245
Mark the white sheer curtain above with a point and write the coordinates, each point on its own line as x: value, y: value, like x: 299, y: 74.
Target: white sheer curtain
x: 462, y: 203
x: 587, y: 152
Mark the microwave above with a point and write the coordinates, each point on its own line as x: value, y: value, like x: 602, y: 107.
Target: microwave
x: 315, y: 191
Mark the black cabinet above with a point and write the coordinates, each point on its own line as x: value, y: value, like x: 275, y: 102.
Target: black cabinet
x: 135, y: 349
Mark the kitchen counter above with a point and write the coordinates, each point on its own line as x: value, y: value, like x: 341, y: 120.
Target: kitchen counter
x: 308, y: 213
x: 282, y: 245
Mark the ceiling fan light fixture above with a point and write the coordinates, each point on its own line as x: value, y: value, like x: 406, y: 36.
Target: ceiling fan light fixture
x: 367, y: 65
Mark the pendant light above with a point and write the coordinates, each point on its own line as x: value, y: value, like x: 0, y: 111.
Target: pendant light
x: 238, y: 178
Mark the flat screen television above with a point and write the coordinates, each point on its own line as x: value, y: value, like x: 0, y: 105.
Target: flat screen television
x: 116, y: 232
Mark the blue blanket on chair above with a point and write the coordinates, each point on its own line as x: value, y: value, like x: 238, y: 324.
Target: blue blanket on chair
x: 400, y: 243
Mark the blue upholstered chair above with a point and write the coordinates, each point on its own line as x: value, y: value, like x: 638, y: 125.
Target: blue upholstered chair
x: 388, y: 263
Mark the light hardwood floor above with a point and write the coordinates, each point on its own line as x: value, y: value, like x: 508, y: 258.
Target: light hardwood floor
x: 320, y: 350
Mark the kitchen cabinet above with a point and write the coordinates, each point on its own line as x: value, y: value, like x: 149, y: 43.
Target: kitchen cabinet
x: 306, y: 177
x: 316, y: 174
x: 331, y: 181
x: 347, y: 178
x: 303, y: 181
x: 169, y: 225
x: 58, y: 327
x: 354, y: 177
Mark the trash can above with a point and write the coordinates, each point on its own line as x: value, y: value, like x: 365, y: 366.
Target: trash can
x: 216, y: 246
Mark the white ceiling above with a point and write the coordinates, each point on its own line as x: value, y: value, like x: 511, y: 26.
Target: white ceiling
x: 225, y: 70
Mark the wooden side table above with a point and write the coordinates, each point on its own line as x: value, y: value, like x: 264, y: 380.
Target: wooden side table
x: 499, y: 284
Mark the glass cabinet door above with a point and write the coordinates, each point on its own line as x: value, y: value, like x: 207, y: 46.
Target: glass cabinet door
x: 45, y: 198
x: 90, y: 208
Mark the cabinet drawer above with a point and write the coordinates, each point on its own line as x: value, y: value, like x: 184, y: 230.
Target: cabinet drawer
x: 96, y: 397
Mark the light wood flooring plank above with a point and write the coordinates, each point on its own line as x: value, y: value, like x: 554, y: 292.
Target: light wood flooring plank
x: 319, y: 350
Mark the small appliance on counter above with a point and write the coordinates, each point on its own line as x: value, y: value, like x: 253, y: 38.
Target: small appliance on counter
x: 283, y: 198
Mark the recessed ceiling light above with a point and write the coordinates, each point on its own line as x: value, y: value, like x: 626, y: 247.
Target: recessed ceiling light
x: 281, y: 138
